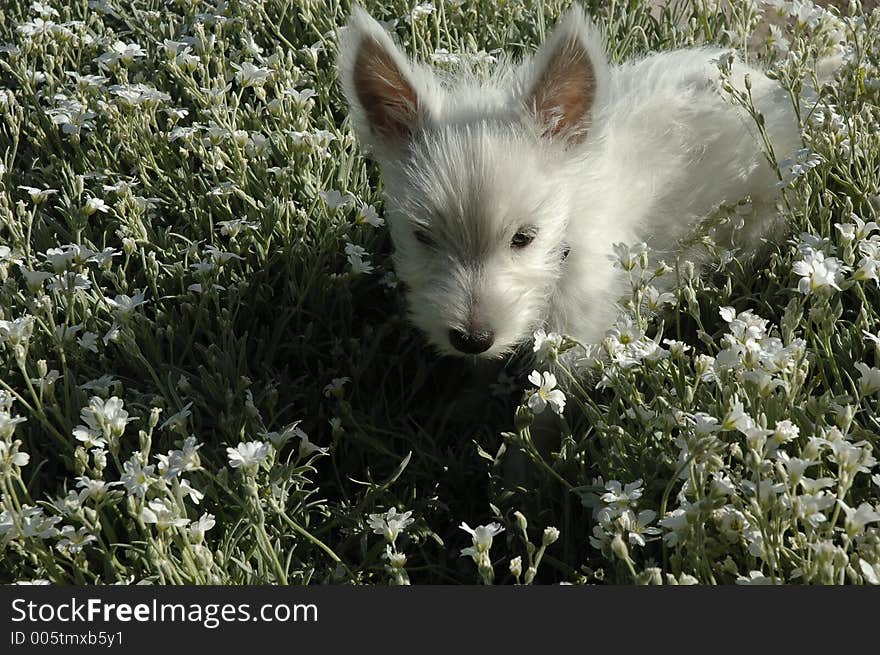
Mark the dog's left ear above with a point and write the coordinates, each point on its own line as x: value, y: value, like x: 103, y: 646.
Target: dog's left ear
x: 565, y: 78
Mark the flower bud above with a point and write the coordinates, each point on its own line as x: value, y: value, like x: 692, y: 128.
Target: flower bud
x: 551, y: 534
x: 516, y: 567
x: 523, y: 418
x: 154, y: 417
x: 521, y: 521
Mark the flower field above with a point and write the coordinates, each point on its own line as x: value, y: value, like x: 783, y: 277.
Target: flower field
x: 207, y: 375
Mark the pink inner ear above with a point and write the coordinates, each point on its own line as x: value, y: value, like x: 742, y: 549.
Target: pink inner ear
x: 388, y: 99
x: 565, y: 92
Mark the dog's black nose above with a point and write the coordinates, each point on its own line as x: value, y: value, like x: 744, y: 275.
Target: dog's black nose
x: 471, y: 343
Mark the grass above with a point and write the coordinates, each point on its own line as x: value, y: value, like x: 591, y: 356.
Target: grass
x: 227, y: 305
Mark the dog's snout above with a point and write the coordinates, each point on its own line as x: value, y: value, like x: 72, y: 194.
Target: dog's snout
x: 472, y: 343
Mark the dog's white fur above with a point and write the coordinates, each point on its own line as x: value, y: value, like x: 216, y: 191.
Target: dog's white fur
x: 581, y: 153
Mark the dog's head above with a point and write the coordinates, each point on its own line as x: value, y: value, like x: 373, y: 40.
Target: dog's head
x: 478, y: 176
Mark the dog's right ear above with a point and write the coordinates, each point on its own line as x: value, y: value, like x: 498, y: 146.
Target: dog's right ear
x: 379, y: 83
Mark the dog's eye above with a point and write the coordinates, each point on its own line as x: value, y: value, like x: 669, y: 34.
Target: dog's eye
x: 425, y: 239
x: 523, y: 238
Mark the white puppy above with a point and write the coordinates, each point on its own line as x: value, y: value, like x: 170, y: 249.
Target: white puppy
x: 505, y: 194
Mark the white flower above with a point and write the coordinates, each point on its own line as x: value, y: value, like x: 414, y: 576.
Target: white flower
x: 422, y: 9
x: 777, y: 39
x: 785, y: 431
x: 198, y: 529
x: 66, y: 256
x: 622, y: 497
x: 737, y: 418
x: 873, y: 338
x: 189, y: 62
x: 798, y: 165
x: 756, y: 437
x: 306, y: 447
x: 367, y: 214
x: 34, y: 279
x: 757, y: 578
x: 810, y: 506
x: 857, y: 519
x: 443, y: 56
x: 482, y: 537
x: 163, y: 514
x: 95, y: 205
x: 71, y: 115
x: 94, y: 489
x: 124, y: 304
x: 546, y: 393
x: 818, y: 272
x: 8, y: 422
x: 676, y: 348
x: 335, y: 387
x: 870, y: 381
x: 195, y: 496
x: 88, y: 81
x: 248, y: 455
x: 234, y: 227
x: 857, y: 230
x: 278, y: 439
x: 100, y: 386
x: 135, y: 95
x: 637, y: 525
x: 10, y: 455
x: 867, y: 269
x: 628, y: 257
x: 705, y: 424
x: 88, y: 341
x: 112, y: 334
x: 43, y: 10
x: 627, y: 346
x: 120, y: 52
x: 390, y: 524
x: 105, y: 257
x: 655, y: 300
x: 300, y: 97
x: 249, y: 75
x: 546, y: 345
x: 177, y: 421
x: 870, y: 572
x: 795, y: 467
x: 34, y: 523
x: 38, y: 195
x: 90, y: 437
x: 70, y: 281
x: 847, y: 231
x: 677, y: 523
x: 107, y: 417
x: 357, y: 258
x: 136, y: 477
x: 180, y: 461
x: 17, y: 332
x: 74, y: 540
x: 66, y: 333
